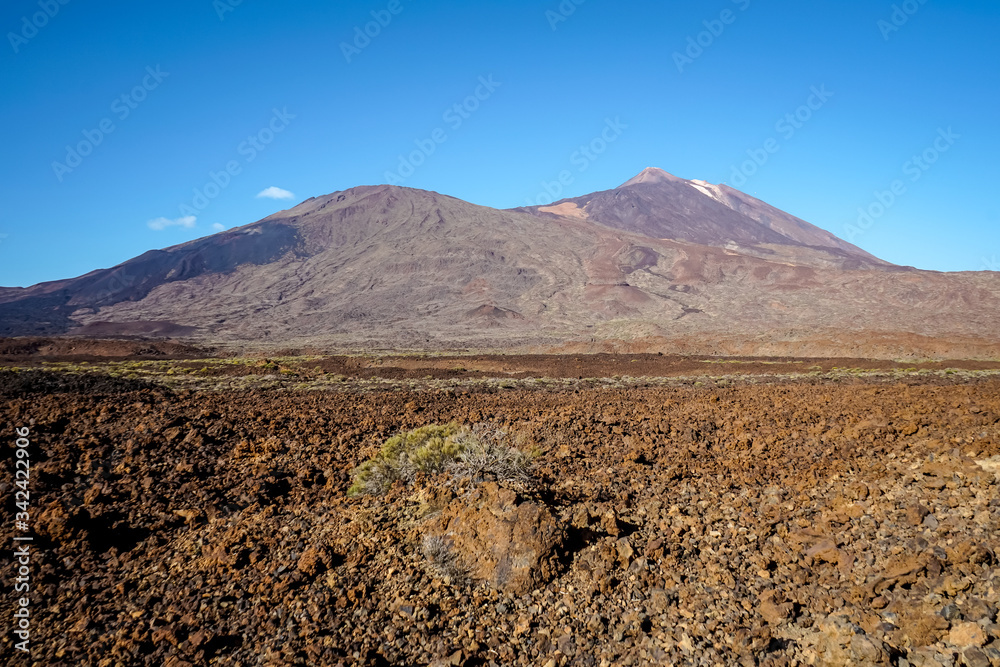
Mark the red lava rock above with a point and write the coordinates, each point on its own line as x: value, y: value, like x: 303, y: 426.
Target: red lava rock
x: 767, y: 527
x: 312, y: 562
x: 498, y: 539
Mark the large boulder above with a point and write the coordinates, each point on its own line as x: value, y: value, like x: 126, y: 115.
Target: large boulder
x: 496, y: 537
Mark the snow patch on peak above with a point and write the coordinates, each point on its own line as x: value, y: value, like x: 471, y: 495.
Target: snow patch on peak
x: 708, y: 189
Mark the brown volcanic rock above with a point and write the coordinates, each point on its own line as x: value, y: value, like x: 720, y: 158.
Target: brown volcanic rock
x: 687, y: 507
x: 839, y: 642
x: 510, y: 544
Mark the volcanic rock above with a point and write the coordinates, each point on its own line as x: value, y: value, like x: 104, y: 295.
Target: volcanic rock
x: 511, y: 544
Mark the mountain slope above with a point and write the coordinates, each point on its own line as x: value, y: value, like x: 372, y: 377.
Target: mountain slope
x: 658, y: 204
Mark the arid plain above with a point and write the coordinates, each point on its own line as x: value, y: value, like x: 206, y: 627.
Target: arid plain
x: 680, y: 510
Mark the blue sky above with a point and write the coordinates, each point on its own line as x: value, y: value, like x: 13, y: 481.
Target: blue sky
x: 818, y: 108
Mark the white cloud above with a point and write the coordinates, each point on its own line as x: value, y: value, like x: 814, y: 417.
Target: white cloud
x: 275, y: 193
x: 187, y: 222
x: 219, y: 227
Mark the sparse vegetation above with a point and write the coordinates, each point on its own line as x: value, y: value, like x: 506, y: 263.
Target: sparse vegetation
x: 316, y: 373
x: 489, y: 454
x: 427, y: 449
x: 474, y: 454
x: 440, y: 558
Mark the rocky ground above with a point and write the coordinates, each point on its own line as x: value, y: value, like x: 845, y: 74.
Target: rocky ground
x: 802, y: 521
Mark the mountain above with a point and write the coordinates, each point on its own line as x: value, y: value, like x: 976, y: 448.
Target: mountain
x: 660, y: 205
x: 658, y: 263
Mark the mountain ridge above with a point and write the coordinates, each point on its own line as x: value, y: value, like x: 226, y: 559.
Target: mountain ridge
x: 390, y: 267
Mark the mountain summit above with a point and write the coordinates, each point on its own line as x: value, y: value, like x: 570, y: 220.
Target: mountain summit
x: 651, y: 175
x: 658, y: 204
x: 661, y: 262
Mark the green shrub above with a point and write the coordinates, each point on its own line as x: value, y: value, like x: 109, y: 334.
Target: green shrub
x: 426, y: 449
x: 475, y: 454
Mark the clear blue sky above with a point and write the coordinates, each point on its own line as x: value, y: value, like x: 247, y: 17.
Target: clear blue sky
x: 895, y: 92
